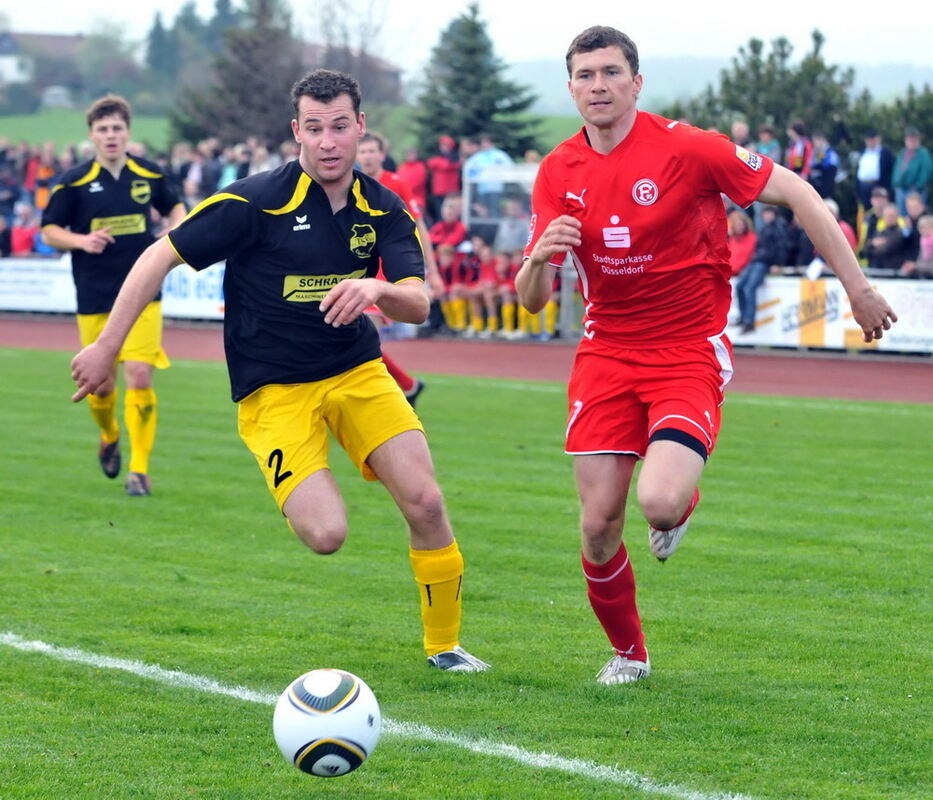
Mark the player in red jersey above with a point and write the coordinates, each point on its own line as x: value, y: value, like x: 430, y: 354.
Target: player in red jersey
x: 635, y: 200
x: 370, y: 155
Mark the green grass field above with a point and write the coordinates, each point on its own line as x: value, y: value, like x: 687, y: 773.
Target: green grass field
x: 789, y: 635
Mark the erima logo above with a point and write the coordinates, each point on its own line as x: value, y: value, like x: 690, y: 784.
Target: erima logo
x: 95, y: 187
x: 577, y: 197
x: 302, y: 225
x: 616, y: 236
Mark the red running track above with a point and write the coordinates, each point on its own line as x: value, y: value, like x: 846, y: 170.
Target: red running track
x: 863, y: 376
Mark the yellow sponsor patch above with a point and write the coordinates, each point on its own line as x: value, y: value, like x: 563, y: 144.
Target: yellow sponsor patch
x: 120, y: 226
x: 313, y: 288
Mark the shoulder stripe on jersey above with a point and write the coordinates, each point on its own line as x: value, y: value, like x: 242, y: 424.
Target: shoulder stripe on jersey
x: 298, y: 196
x: 209, y: 201
x: 55, y: 188
x: 361, y: 202
x: 417, y: 232
x: 91, y: 175
x: 142, y: 171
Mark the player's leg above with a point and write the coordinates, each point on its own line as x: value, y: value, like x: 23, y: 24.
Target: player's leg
x: 141, y: 354
x: 403, y: 464
x: 103, y: 403
x: 284, y: 428
x: 140, y: 411
x: 685, y: 395
x: 316, y: 513
x: 602, y: 483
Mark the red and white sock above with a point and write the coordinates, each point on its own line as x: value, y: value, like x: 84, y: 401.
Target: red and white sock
x: 611, y: 590
x: 405, y: 381
x: 693, y: 504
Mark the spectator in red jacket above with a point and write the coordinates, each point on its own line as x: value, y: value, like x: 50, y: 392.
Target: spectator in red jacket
x: 741, y: 240
x: 449, y: 230
x: 415, y: 173
x: 445, y: 173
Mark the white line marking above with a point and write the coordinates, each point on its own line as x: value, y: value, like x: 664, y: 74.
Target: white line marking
x: 406, y: 730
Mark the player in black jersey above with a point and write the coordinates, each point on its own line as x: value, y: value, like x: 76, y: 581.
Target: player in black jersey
x: 302, y: 245
x: 101, y: 211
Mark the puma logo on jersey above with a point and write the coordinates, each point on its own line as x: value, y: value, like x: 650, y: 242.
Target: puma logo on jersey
x: 577, y: 197
x: 302, y: 224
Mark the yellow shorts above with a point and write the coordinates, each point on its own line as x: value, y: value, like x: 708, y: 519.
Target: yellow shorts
x: 285, y: 425
x: 144, y: 342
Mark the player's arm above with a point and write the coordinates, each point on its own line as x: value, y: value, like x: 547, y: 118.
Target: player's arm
x: 431, y: 273
x: 92, y: 366
x: 404, y: 301
x: 870, y: 309
x: 535, y: 279
x: 63, y: 239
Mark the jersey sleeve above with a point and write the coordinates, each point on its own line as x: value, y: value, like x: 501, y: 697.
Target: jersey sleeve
x: 217, y: 228
x: 399, y: 247
x: 731, y: 169
x: 164, y: 198
x: 545, y: 207
x: 61, y: 207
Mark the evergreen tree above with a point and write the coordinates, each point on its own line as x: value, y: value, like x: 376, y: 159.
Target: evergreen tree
x: 249, y: 82
x: 225, y: 18
x: 467, y: 92
x: 162, y: 53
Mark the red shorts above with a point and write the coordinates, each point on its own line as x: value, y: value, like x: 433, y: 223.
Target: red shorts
x: 618, y: 402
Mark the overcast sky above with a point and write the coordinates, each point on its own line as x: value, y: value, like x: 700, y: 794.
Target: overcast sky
x: 525, y: 30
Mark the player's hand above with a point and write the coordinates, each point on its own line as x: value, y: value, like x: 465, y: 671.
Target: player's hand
x: 435, y: 285
x: 872, y: 313
x: 560, y: 236
x: 96, y: 241
x: 348, y: 299
x: 91, y: 369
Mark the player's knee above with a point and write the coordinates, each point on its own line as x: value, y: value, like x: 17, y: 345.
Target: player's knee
x: 424, y: 507
x: 598, y: 531
x: 662, y: 506
x: 323, y: 537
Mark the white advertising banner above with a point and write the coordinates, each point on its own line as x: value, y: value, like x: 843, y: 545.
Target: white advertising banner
x: 796, y: 312
x: 792, y: 311
x: 45, y: 284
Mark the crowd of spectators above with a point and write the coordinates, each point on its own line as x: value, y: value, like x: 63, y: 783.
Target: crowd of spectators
x: 892, y: 236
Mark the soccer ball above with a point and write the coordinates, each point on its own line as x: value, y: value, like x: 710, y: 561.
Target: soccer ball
x: 327, y: 722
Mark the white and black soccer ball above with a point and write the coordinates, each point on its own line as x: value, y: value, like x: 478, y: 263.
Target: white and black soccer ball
x: 327, y: 722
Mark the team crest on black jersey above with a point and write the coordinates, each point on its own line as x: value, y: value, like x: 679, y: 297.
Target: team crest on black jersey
x: 141, y: 191
x: 362, y: 240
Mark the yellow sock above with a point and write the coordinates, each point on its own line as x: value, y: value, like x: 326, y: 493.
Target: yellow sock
x: 492, y: 323
x: 460, y: 313
x: 140, y: 408
x: 450, y: 317
x: 508, y: 317
x: 476, y: 321
x: 102, y: 410
x: 535, y: 322
x: 524, y: 319
x: 439, y: 575
x: 550, y: 317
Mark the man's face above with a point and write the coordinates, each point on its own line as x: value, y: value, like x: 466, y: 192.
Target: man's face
x: 912, y: 142
x: 110, y: 136
x: 914, y: 205
x: 327, y: 134
x: 370, y: 158
x: 878, y: 202
x: 603, y: 87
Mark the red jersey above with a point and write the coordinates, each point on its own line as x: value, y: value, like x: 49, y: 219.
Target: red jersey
x: 415, y: 174
x: 392, y: 181
x: 447, y: 233
x: 445, y: 175
x: 654, y: 262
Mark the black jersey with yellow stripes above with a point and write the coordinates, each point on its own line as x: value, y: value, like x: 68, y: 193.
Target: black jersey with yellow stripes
x: 284, y: 250
x: 87, y: 198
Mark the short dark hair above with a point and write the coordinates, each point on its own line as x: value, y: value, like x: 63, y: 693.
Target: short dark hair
x: 107, y: 106
x: 598, y: 37
x: 325, y: 86
x: 374, y: 137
